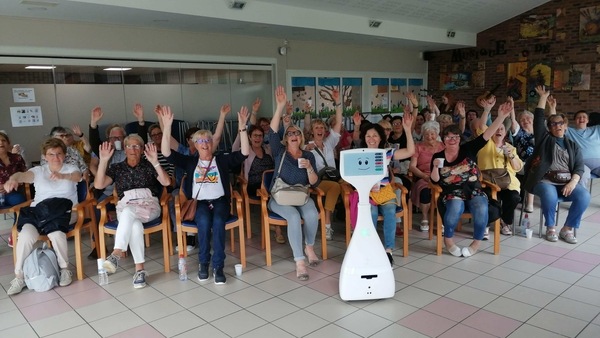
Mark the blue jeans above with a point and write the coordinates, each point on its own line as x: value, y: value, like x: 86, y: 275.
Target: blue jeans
x: 293, y: 215
x: 551, y: 194
x: 478, y: 207
x: 13, y: 198
x: 211, y: 225
x: 388, y: 211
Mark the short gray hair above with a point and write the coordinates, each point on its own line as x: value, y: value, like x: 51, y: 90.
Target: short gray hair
x: 431, y: 126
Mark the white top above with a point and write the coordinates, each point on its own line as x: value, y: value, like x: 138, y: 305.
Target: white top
x: 47, y: 188
x: 211, y: 187
x: 588, y: 140
x: 329, y: 144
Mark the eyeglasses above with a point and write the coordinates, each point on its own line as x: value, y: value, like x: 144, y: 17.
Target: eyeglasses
x: 388, y: 129
x: 156, y: 135
x: 256, y: 135
x: 116, y: 138
x: 455, y: 138
x: 397, y: 124
x: 558, y: 123
x: 203, y: 140
x: 63, y: 135
x: 133, y: 146
x: 293, y: 132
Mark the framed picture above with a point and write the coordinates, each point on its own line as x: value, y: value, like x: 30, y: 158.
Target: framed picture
x: 589, y: 24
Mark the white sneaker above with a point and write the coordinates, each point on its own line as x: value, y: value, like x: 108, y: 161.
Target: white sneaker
x: 188, y: 248
x: 16, y: 286
x: 328, y: 233
x: 65, y: 277
x: 424, y: 227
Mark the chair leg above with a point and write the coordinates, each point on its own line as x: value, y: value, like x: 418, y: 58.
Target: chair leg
x: 242, y: 246
x: 267, y: 242
x: 407, y: 228
x: 439, y: 240
x: 78, y: 256
x: 166, y: 255
x: 248, y: 224
x: 497, y: 237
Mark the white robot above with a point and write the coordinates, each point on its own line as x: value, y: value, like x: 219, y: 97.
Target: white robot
x: 366, y: 272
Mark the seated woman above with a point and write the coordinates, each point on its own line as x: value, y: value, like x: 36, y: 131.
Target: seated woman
x: 207, y: 180
x: 73, y: 156
x: 323, y: 148
x: 499, y: 154
x: 137, y: 180
x: 374, y: 137
x: 9, y: 164
x: 296, y: 167
x: 53, y: 179
x: 420, y: 164
x: 522, y: 133
x: 455, y: 170
x: 554, y: 153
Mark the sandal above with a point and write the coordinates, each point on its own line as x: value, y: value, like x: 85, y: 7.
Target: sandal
x: 551, y: 235
x: 314, y: 260
x: 467, y: 251
x: 301, y: 271
x: 568, y: 236
x: 280, y: 239
x: 454, y: 251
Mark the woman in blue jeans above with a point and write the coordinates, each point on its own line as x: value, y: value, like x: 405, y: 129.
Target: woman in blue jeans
x: 374, y: 137
x: 555, y: 153
x: 455, y: 170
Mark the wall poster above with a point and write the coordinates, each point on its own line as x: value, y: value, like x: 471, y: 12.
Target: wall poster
x: 21, y: 95
x: 516, y: 84
x: 26, y: 116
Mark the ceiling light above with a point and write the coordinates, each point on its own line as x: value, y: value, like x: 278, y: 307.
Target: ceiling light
x: 237, y: 4
x: 40, y: 67
x: 117, y: 69
x: 374, y: 23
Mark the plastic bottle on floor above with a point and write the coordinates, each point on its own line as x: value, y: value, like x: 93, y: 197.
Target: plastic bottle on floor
x: 525, y: 224
x: 102, y: 274
x: 182, y: 265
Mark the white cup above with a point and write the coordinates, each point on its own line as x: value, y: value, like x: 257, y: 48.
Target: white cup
x: 300, y: 162
x: 238, y: 270
x: 441, y: 162
x: 118, y: 145
x: 529, y: 233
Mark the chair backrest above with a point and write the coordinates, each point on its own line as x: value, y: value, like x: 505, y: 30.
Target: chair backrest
x: 178, y: 130
x: 267, y: 178
x: 82, y: 191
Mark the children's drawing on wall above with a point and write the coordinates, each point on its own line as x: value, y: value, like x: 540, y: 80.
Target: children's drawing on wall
x: 379, y: 95
x: 517, y: 80
x: 455, y: 81
x: 303, y: 95
x: 574, y: 77
x: 397, y: 92
x: 26, y: 116
x: 589, y: 24
x: 540, y: 74
x: 537, y: 27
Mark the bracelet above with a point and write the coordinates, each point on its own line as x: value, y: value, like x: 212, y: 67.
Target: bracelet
x: 157, y: 164
x: 242, y: 130
x: 310, y: 171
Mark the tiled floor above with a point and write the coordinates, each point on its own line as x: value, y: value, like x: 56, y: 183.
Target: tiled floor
x: 532, y: 289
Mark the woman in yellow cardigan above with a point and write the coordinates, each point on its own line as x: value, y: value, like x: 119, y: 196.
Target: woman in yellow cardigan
x: 497, y: 154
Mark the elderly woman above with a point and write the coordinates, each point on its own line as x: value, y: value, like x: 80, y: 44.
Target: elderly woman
x: 207, y: 180
x: 73, y: 156
x: 139, y: 183
x: 455, y: 170
x: 295, y: 166
x: 55, y: 179
x: 323, y: 149
x: 554, y: 171
x: 444, y: 120
x: 420, y: 164
x: 9, y: 164
x: 499, y: 154
x: 373, y: 137
x: 523, y: 140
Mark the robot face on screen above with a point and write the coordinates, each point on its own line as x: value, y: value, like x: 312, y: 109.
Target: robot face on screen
x: 364, y: 163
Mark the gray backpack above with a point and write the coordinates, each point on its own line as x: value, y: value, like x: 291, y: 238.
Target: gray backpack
x: 41, y: 269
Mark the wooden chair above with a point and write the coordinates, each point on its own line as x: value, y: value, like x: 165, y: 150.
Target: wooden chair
x: 86, y: 219
x: 236, y: 220
x: 270, y: 218
x: 161, y: 223
x: 436, y: 191
x: 248, y: 200
x: 401, y: 212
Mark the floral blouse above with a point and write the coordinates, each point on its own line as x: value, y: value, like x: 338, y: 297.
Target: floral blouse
x: 524, y: 142
x: 17, y: 164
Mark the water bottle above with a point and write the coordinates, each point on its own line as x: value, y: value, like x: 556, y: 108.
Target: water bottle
x: 525, y: 224
x: 102, y: 274
x: 182, y: 265
x: 2, y: 200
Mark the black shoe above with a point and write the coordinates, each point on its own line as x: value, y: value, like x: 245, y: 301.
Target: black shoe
x: 203, y: 273
x: 191, y: 240
x: 390, y: 258
x: 93, y: 255
x: 219, y: 276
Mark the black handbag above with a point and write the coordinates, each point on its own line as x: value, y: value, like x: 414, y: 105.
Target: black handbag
x: 328, y: 173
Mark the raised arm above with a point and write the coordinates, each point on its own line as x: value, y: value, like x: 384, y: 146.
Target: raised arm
x: 514, y: 124
x: 255, y: 108
x: 551, y: 104
x: 433, y: 108
x: 152, y: 156
x: 243, y: 132
x: 101, y: 181
x: 503, y: 112
x: 307, y: 119
x: 460, y: 107
x: 96, y: 116
x: 407, y: 152
x: 357, y: 119
x: 487, y: 105
x: 281, y: 99
x: 413, y: 108
x: 138, y: 113
x: 165, y: 115
x: 287, y: 118
x: 86, y: 144
x: 225, y: 109
x: 339, y: 107
x: 544, y: 94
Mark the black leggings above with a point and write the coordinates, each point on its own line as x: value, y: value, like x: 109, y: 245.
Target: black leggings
x: 509, y: 200
x: 425, y: 196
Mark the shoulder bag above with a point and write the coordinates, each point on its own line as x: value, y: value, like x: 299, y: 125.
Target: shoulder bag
x: 558, y: 176
x: 499, y: 177
x: 188, y: 208
x: 287, y: 194
x: 327, y: 173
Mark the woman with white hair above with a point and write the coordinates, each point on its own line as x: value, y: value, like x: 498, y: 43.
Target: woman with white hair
x: 524, y: 141
x: 420, y: 168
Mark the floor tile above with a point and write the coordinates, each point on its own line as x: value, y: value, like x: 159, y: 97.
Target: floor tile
x: 492, y: 323
x: 472, y: 296
x: 538, y: 258
x: 117, y: 323
x: 591, y: 331
x: 278, y: 285
x: 456, y: 275
x: 205, y: 330
x: 451, y: 309
x: 363, y: 323
x: 327, y: 285
x: 272, y: 309
x: 397, y: 330
x: 530, y: 296
x: 332, y: 330
x: 331, y: 309
x: 77, y: 332
x: 300, y: 323
x: 427, y: 323
x: 100, y: 310
x: 583, y: 257
x: 560, y: 275
x: 574, y: 266
x: 528, y: 331
x: 176, y: 323
x: 267, y: 330
x: 545, y: 284
x: 461, y: 331
x: 512, y: 309
x: 491, y: 285
x: 215, y: 309
x: 390, y: 309
x: 21, y: 331
x: 573, y: 308
x: 302, y: 297
x: 58, y: 323
x: 191, y: 298
x: 557, y: 323
x: 87, y: 297
x: 583, y: 295
x: 437, y: 285
x: 551, y: 250
x: 156, y: 310
x: 46, y: 309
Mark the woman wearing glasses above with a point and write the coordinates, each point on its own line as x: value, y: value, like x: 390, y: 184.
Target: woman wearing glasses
x: 136, y: 179
x: 455, y: 170
x: 207, y: 180
x: 554, y: 171
x: 297, y: 167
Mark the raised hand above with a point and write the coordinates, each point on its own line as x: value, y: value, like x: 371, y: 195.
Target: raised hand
x: 151, y: 153
x: 504, y: 110
x: 412, y: 98
x: 280, y: 97
x: 487, y: 104
x: 138, y: 112
x: 460, y: 107
x: 335, y: 95
x: 256, y: 105
x: 356, y: 118
x: 76, y: 130
x: 225, y: 109
x: 430, y: 101
x: 165, y: 115
x: 407, y: 121
x: 106, y: 151
x: 96, y: 115
x: 542, y: 92
x: 552, y: 102
x: 243, y: 116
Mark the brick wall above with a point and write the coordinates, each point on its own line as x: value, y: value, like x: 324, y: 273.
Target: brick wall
x: 501, y: 45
